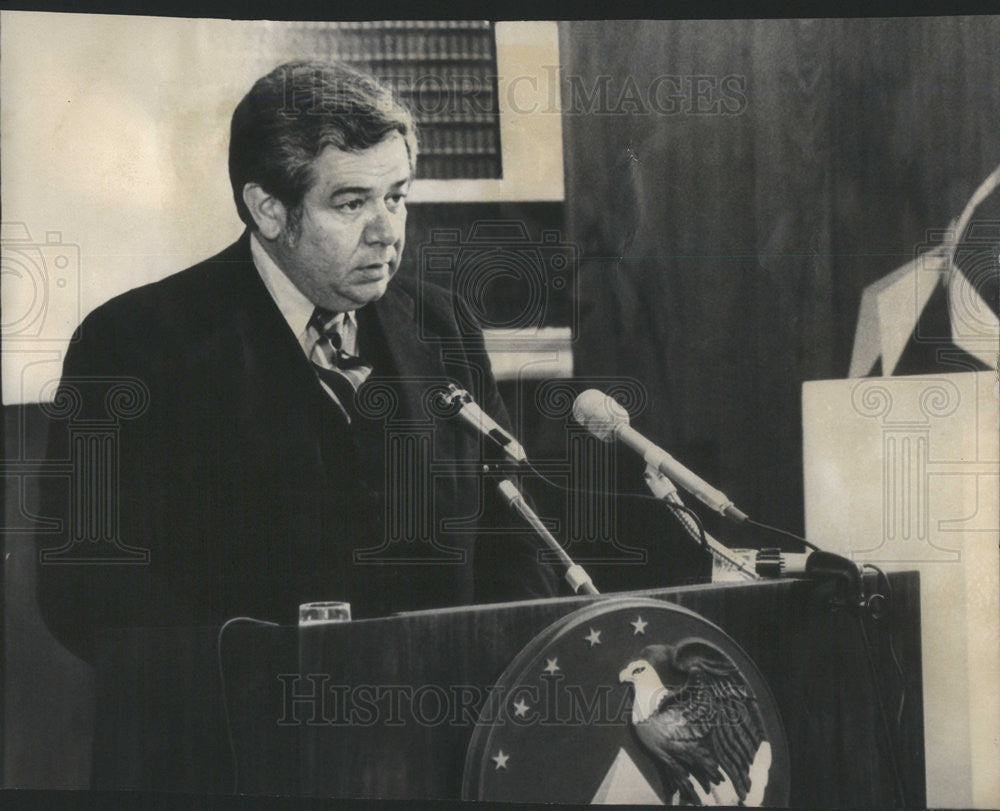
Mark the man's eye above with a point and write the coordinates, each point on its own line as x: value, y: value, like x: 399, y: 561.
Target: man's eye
x: 351, y: 205
x: 396, y: 199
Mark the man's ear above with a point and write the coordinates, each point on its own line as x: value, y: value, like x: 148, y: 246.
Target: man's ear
x: 267, y: 210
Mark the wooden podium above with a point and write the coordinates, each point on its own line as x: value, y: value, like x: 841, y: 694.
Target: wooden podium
x: 388, y: 707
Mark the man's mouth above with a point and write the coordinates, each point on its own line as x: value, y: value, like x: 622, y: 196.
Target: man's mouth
x: 375, y: 266
x: 374, y: 271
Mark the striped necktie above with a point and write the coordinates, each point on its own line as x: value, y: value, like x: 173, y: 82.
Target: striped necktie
x: 342, y: 372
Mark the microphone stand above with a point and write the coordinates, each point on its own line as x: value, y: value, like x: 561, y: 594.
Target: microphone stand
x: 664, y: 489
x: 576, y: 575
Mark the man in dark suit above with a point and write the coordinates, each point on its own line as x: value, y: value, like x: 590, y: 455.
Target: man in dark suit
x: 286, y: 448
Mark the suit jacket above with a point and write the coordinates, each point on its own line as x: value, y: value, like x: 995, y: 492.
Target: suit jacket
x: 242, y: 482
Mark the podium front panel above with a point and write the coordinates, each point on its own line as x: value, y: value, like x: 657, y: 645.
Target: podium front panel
x: 387, y: 708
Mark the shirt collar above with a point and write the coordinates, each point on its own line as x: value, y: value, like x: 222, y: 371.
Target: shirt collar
x: 295, y: 308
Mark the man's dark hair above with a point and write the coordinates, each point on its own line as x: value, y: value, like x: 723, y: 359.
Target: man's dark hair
x: 297, y: 110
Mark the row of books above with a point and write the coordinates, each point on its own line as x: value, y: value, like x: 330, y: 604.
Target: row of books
x: 454, y: 167
x: 427, y: 46
x: 452, y: 109
x: 444, y: 72
x: 430, y: 75
x: 437, y: 140
x: 464, y: 117
x: 402, y: 25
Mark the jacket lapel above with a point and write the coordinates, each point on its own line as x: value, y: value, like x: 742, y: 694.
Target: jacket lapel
x: 270, y: 377
x: 413, y: 358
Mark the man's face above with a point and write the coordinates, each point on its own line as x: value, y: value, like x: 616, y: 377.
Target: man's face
x: 348, y: 241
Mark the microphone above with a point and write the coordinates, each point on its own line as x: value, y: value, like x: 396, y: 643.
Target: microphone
x: 606, y: 419
x: 459, y: 403
x: 776, y: 563
x: 823, y: 565
x: 482, y: 423
x: 816, y: 562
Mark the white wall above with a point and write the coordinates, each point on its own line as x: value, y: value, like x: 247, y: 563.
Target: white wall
x: 113, y: 140
x: 904, y: 472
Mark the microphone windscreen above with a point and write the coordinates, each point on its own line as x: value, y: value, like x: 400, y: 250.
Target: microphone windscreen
x: 599, y: 414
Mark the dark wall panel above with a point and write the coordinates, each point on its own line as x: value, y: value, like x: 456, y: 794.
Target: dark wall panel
x: 725, y: 252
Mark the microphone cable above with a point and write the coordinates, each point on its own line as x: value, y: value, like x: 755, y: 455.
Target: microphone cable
x: 222, y: 685
x: 785, y: 532
x: 897, y: 666
x: 889, y: 742
x: 676, y: 509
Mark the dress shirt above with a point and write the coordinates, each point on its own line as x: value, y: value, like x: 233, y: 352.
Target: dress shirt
x: 296, y: 309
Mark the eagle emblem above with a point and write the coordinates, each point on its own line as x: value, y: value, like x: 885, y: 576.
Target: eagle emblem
x: 696, y: 717
x: 630, y: 701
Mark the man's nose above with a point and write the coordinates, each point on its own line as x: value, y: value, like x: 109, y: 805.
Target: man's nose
x: 383, y: 227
